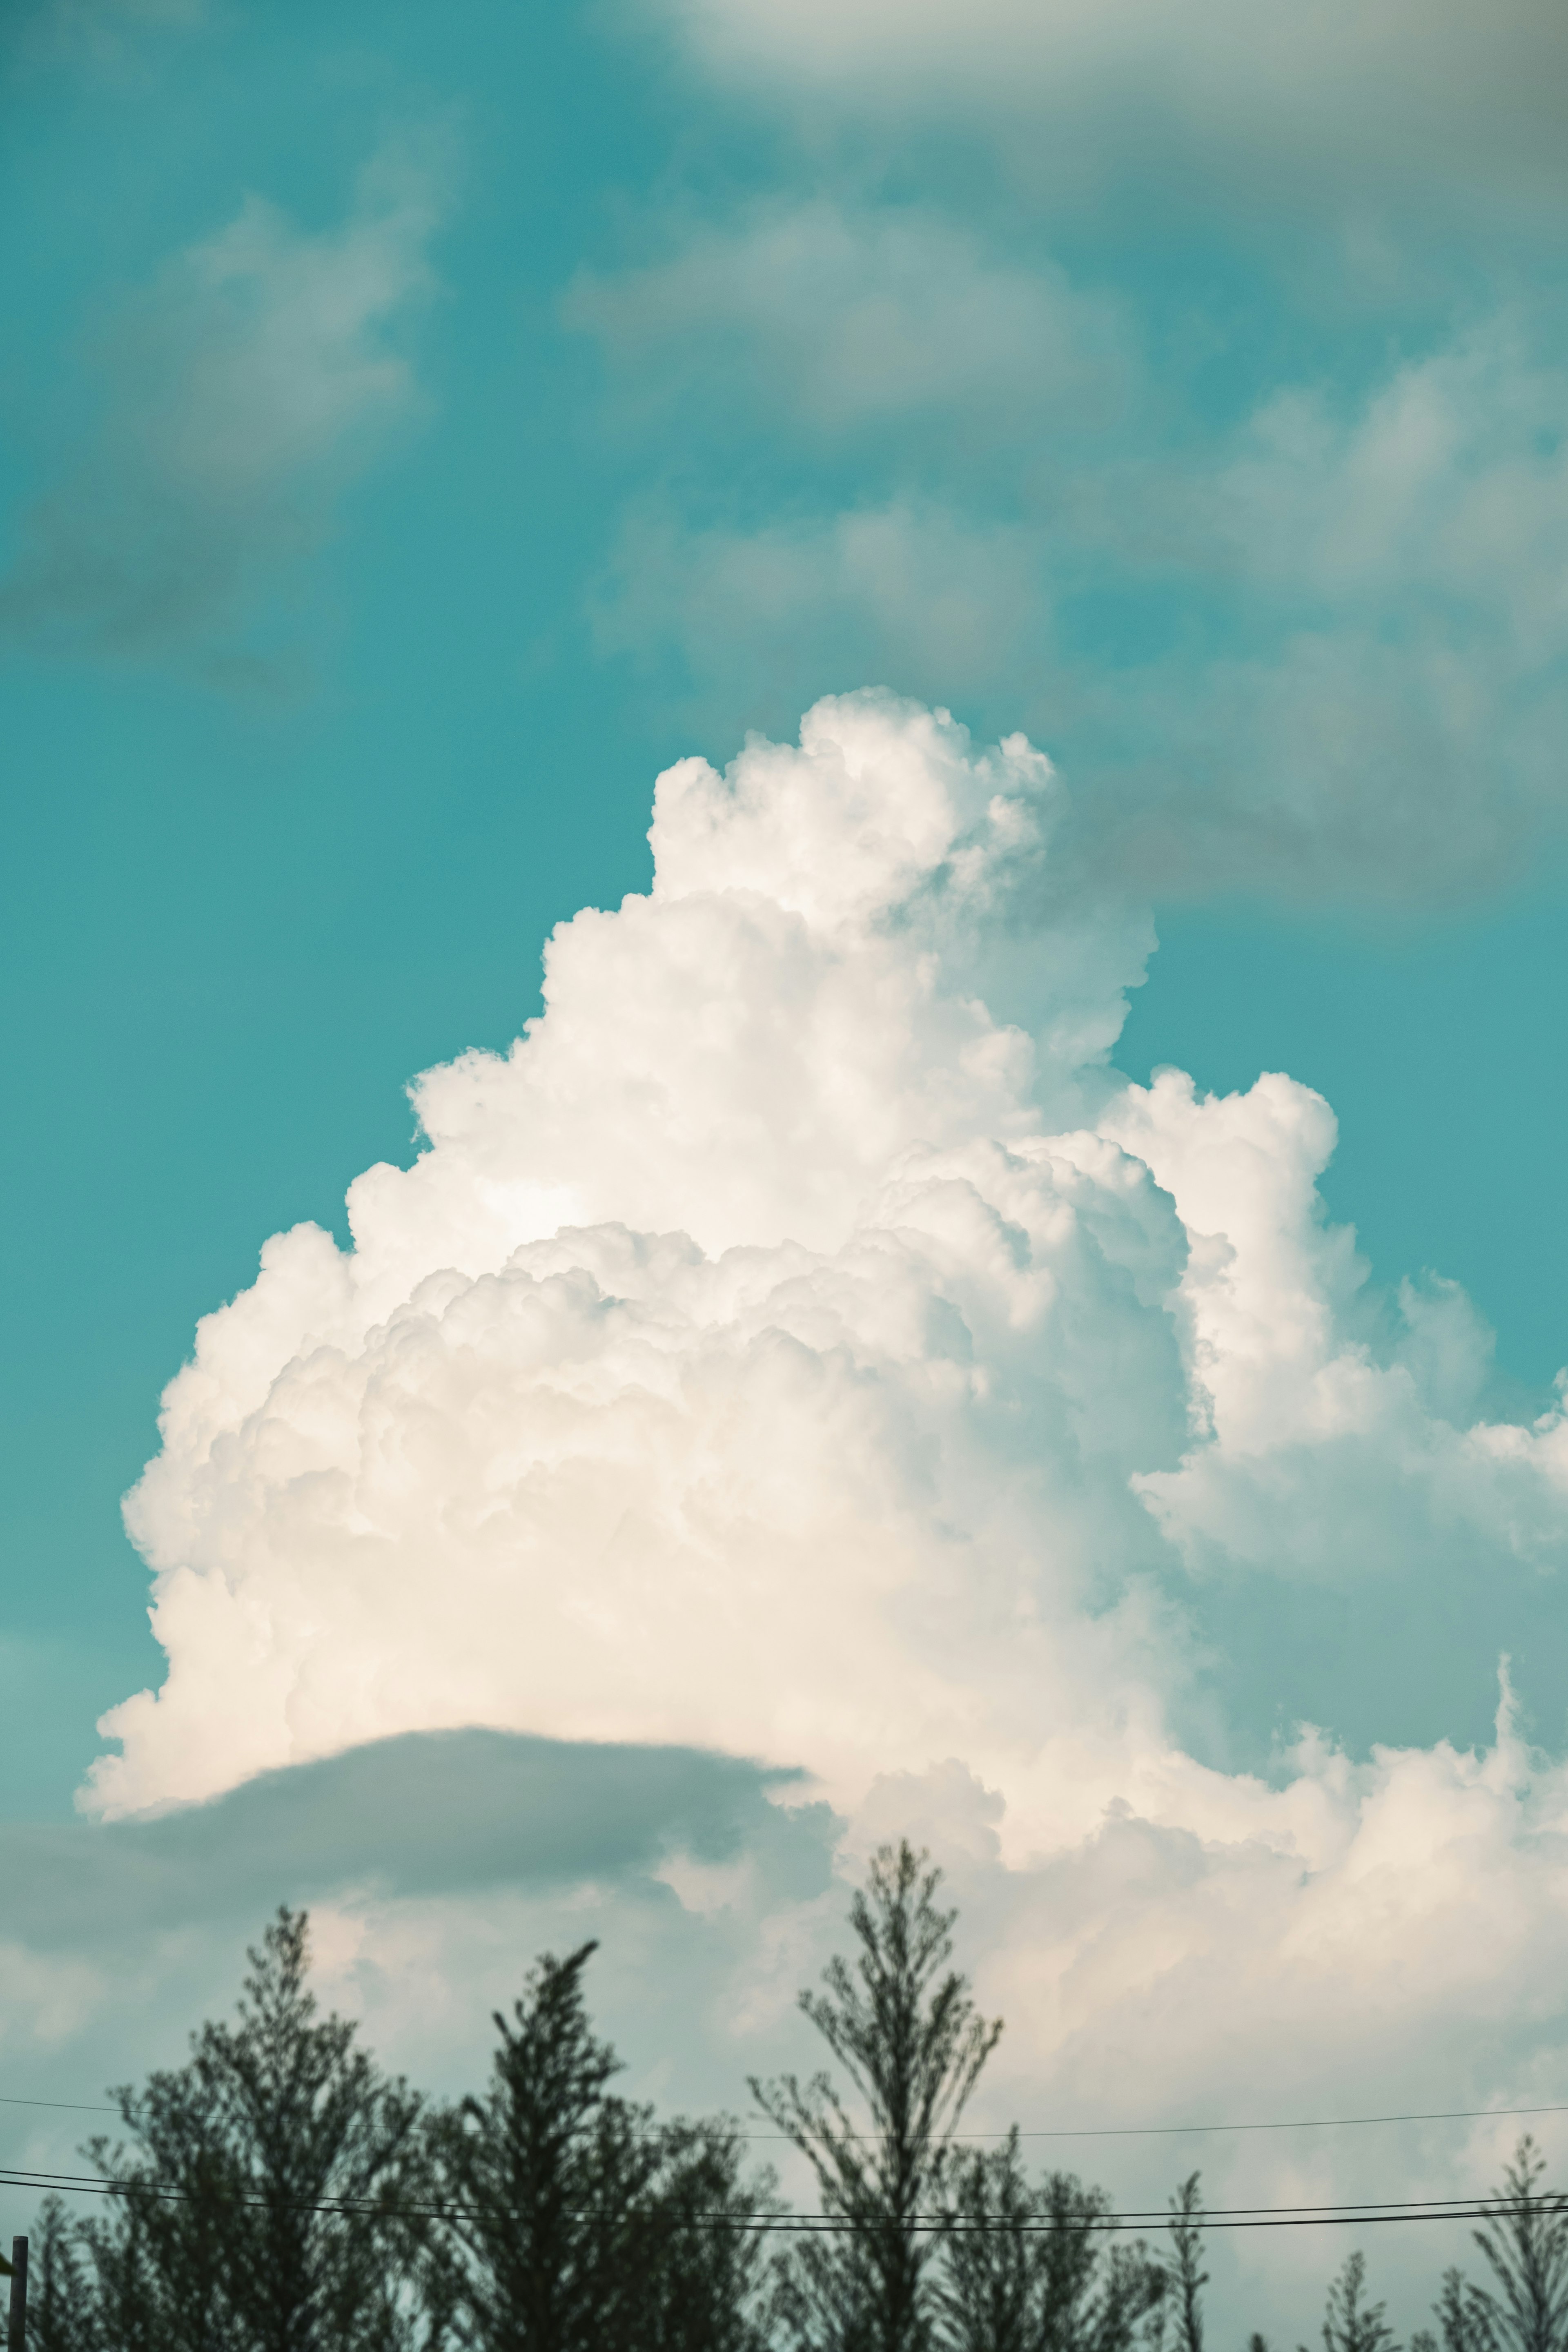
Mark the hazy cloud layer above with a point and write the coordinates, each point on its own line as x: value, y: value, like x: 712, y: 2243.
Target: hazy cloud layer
x: 1326, y: 102
x: 240, y: 391
x: 1316, y: 645
x: 842, y: 317
x: 1389, y: 1936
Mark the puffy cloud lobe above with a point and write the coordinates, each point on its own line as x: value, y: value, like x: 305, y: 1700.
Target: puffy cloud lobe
x: 667, y: 1458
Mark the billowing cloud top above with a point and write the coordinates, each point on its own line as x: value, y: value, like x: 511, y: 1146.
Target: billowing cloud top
x: 781, y: 1351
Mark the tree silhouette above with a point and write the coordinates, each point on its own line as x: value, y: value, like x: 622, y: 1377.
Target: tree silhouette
x: 905, y: 2030
x: 1525, y: 2243
x: 269, y: 2197
x: 1349, y: 2324
x: 580, y: 2226
x: 1526, y: 2247
x: 59, y: 2296
x: 1029, y: 2269
x: 1187, y: 2279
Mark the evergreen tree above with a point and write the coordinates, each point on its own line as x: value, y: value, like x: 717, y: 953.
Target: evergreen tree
x: 903, y: 2027
x: 1462, y: 2327
x: 1188, y: 2279
x: 989, y: 2286
x: 1525, y: 2245
x: 159, y: 2263
x: 706, y: 2275
x: 269, y: 2197
x: 1349, y: 2323
x: 1029, y: 2269
x: 60, y: 2293
x: 580, y: 2226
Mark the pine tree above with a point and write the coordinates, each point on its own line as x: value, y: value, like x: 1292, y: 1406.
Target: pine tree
x: 1349, y: 2324
x: 1525, y: 2245
x: 906, y: 2033
x: 704, y: 2277
x: 269, y: 2199
x: 580, y: 2225
x: 1029, y: 2269
x: 1187, y: 2279
x: 60, y: 2316
x: 1462, y: 2327
x: 548, y: 2177
x: 988, y: 2288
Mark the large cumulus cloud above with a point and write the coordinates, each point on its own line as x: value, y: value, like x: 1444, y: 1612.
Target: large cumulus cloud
x: 804, y: 1348
x: 784, y: 1350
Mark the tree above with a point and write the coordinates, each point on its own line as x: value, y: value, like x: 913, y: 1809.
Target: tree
x: 1029, y: 2269
x: 1187, y: 2279
x: 1462, y: 2326
x: 580, y: 2226
x: 904, y: 2029
x: 59, y: 2298
x: 704, y: 2277
x: 989, y: 2289
x: 1349, y: 2324
x: 1526, y: 2247
x: 271, y: 2198
x: 159, y: 2263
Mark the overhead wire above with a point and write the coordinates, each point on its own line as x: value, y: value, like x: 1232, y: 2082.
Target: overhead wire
x: 1062, y: 2131
x: 1243, y: 2217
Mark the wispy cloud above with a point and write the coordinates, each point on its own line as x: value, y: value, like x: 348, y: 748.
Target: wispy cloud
x: 260, y: 371
x: 1313, y: 646
x: 1326, y: 104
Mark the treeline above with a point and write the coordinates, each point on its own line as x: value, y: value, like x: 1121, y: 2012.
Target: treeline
x: 279, y: 2193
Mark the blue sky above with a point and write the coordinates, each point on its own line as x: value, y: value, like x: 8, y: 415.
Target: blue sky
x: 418, y: 429
x: 242, y: 914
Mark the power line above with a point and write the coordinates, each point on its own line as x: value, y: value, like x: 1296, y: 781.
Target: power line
x: 1255, y: 2217
x: 72, y: 2106
x: 1054, y: 2131
x: 1300, y: 2123
x: 1186, y: 2131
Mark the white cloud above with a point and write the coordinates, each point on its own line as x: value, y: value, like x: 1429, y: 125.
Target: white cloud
x: 1326, y: 99
x: 1316, y: 648
x: 258, y: 373
x: 844, y: 316
x: 783, y: 1352
x: 909, y: 587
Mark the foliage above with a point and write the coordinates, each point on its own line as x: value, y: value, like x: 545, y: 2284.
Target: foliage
x: 1349, y: 2323
x: 1187, y: 2279
x: 278, y: 2194
x: 579, y: 2225
x: 270, y: 2198
x: 1526, y: 2247
x: 1029, y: 2269
x: 57, y: 2300
x: 905, y: 2030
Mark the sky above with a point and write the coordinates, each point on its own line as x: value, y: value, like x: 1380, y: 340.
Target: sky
x: 1014, y: 1289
